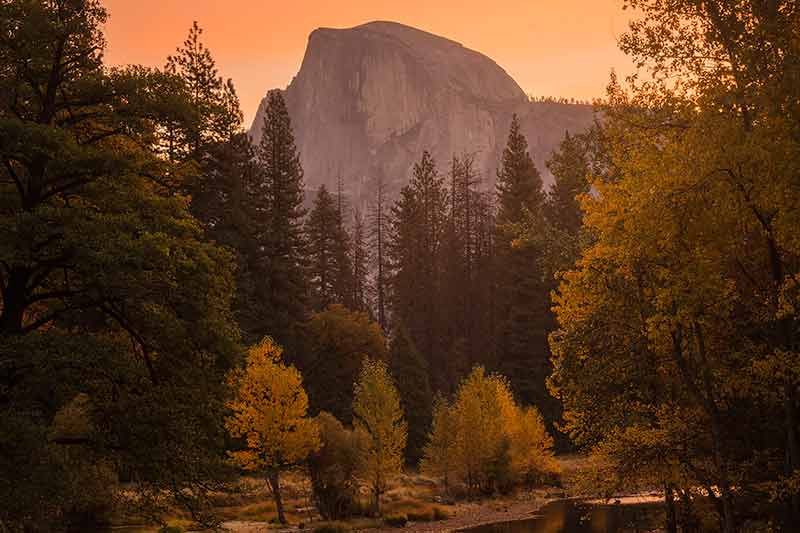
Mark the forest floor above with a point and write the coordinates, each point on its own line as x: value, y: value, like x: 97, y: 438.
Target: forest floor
x: 413, y: 495
x: 459, y: 515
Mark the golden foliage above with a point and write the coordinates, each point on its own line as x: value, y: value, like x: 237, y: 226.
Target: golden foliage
x: 378, y: 414
x: 484, y: 440
x: 531, y: 446
x: 269, y: 411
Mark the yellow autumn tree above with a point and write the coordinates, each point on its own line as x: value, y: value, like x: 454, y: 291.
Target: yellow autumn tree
x: 484, y: 440
x: 673, y: 358
x: 269, y: 413
x: 378, y: 414
x: 530, y: 446
x: 439, y: 457
x: 478, y: 409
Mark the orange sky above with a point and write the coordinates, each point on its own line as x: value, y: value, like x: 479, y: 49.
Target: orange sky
x: 550, y: 47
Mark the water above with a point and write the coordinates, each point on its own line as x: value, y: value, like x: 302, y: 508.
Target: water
x: 572, y: 516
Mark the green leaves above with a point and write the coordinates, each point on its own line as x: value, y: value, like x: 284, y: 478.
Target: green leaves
x: 110, y: 291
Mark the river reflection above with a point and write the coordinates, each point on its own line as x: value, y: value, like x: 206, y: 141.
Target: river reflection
x: 572, y: 516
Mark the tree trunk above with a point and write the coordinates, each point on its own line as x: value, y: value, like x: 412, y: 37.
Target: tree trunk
x: 706, y: 400
x: 376, y: 503
x: 785, y: 329
x: 15, y: 296
x: 669, y: 500
x: 688, y: 520
x: 728, y: 524
x: 274, y: 484
x: 792, y: 448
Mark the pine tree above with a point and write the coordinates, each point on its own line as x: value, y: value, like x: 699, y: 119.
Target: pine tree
x: 361, y: 259
x: 419, y: 222
x: 223, y: 185
x: 519, y: 185
x: 570, y: 168
x: 212, y: 117
x: 560, y: 239
x: 410, y: 371
x: 455, y: 283
x: 330, y: 271
x: 522, y: 294
x: 484, y: 308
x: 379, y: 221
x: 281, y: 280
x: 466, y: 270
x: 343, y: 255
x: 210, y: 135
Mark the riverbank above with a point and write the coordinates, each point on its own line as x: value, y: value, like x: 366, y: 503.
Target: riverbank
x: 462, y: 515
x: 412, y: 495
x: 477, y: 514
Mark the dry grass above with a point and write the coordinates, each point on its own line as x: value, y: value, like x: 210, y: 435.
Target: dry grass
x: 412, y: 495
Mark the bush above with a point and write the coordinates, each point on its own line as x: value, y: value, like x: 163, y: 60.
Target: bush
x: 333, y: 468
x: 420, y: 515
x: 334, y: 344
x: 396, y: 520
x: 440, y: 513
x: 89, y: 484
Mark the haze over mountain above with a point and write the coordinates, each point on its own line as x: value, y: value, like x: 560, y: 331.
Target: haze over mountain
x: 368, y: 100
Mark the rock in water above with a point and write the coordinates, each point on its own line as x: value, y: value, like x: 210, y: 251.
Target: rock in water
x: 368, y: 100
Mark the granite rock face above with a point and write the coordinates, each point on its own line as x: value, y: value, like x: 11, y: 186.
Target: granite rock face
x: 368, y: 100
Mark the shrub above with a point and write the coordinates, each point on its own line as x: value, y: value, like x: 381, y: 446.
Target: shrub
x: 333, y: 469
x: 335, y: 343
x: 89, y: 485
x: 440, y: 513
x: 396, y: 520
x: 420, y: 515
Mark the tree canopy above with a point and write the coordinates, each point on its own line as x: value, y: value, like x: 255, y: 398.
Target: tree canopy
x: 108, y: 287
x: 269, y: 413
x: 378, y: 414
x: 676, y: 346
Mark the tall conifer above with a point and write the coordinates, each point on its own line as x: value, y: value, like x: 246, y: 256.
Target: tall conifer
x: 379, y: 220
x: 330, y: 270
x: 281, y: 245
x: 361, y: 257
x: 522, y: 294
x: 419, y: 223
x: 410, y: 371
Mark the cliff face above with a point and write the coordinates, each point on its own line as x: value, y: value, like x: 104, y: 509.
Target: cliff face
x: 368, y: 100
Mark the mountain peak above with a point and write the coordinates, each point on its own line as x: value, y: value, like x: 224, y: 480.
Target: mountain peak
x: 442, y: 58
x: 403, y: 32
x: 391, y: 29
x: 369, y: 99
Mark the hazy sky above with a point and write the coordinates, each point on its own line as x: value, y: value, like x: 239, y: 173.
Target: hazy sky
x: 550, y: 47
